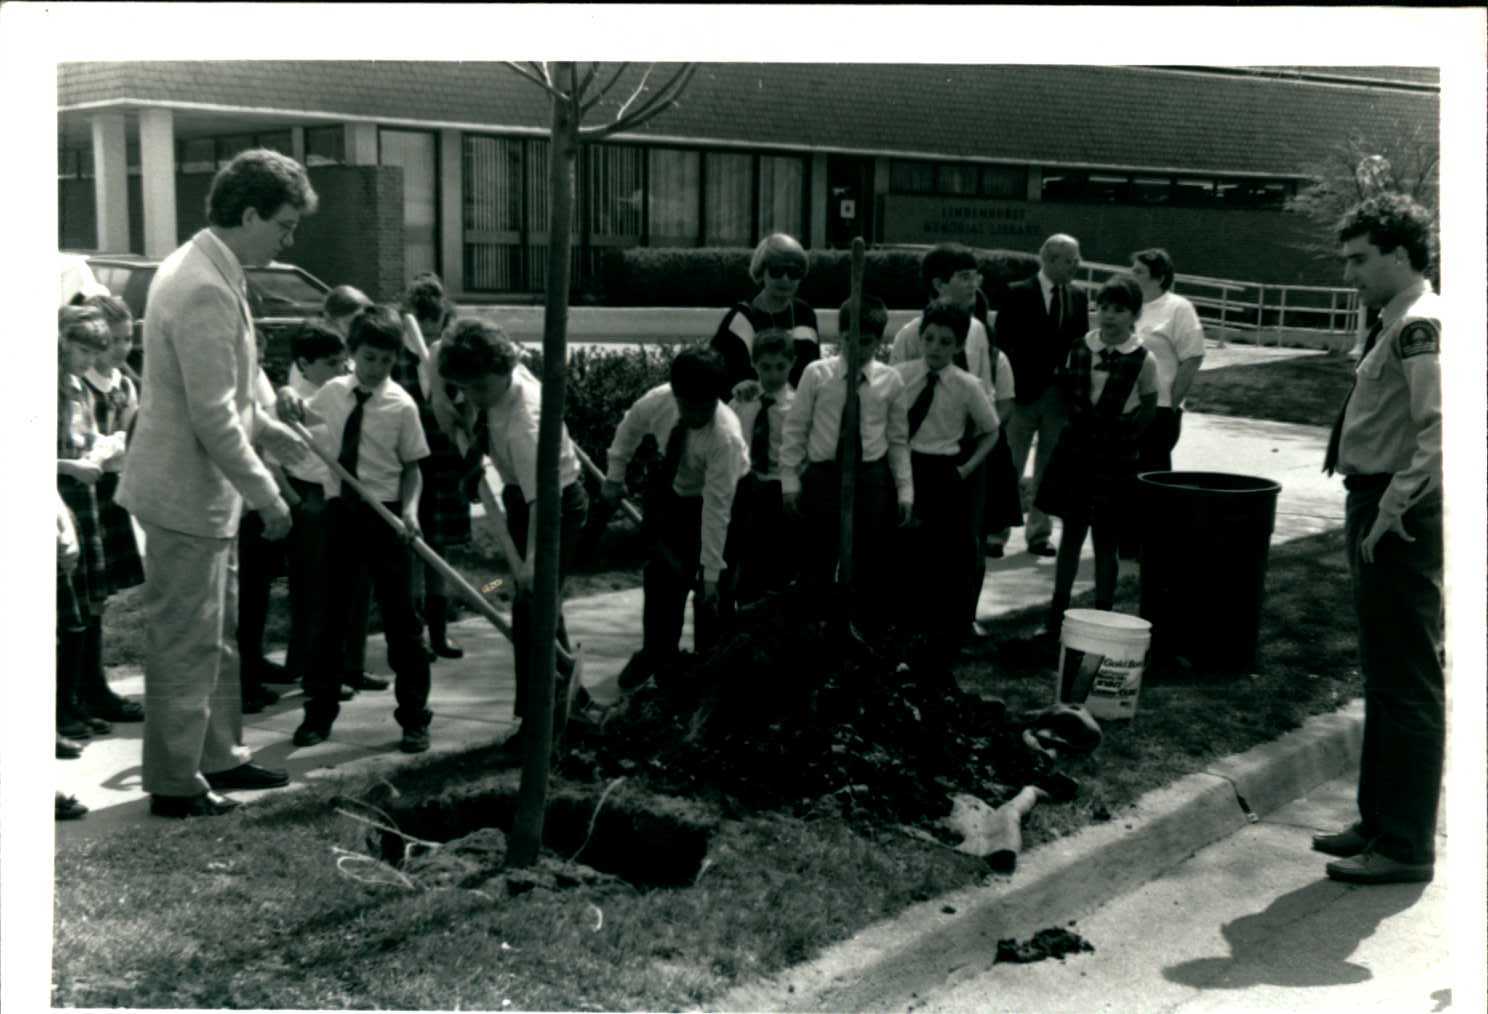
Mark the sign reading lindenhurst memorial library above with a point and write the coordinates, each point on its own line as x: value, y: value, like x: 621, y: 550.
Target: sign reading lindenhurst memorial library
x: 976, y: 222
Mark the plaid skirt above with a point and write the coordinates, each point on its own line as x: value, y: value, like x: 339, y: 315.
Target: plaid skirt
x: 121, y: 553
x: 444, y: 508
x: 90, y: 580
x: 1087, y: 478
x: 71, y: 615
x: 1004, y: 502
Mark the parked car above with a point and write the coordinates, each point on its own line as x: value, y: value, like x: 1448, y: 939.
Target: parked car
x: 281, y: 297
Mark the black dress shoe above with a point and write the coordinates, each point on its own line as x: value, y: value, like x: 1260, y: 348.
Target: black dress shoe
x: 68, y: 749
x: 97, y: 726
x: 117, y: 709
x: 994, y: 552
x: 1345, y: 844
x: 206, y: 804
x: 74, y: 728
x: 248, y: 776
x: 273, y: 672
x: 447, y: 648
x: 365, y: 681
x: 1042, y: 549
x: 258, y: 698
x: 68, y: 808
x: 310, y: 733
x: 636, y: 672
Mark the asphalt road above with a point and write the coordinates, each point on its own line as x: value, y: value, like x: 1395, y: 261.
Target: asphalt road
x: 1249, y: 923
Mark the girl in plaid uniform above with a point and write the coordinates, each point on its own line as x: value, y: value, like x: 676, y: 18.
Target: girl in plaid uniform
x: 82, y: 335
x: 444, y: 509
x: 1110, y: 386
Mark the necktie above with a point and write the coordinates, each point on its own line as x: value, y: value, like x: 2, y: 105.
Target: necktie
x: 921, y: 407
x: 1056, y: 307
x: 759, y: 442
x: 1107, y: 360
x: 351, y: 436
x: 1330, y: 458
x: 672, y: 457
x: 960, y: 359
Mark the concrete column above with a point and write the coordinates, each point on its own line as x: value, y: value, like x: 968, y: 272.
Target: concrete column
x: 817, y: 236
x: 361, y: 144
x: 1035, y: 183
x: 451, y: 212
x: 880, y: 188
x: 157, y: 133
x: 297, y: 144
x: 111, y: 182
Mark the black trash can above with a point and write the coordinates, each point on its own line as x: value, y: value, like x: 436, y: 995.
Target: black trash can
x: 1205, y: 540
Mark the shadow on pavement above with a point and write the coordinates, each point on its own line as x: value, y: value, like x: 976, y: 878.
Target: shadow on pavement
x: 1257, y: 959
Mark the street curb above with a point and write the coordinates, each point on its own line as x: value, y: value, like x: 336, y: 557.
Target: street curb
x: 888, y: 964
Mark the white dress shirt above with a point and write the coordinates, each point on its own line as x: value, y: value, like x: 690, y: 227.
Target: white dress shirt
x: 310, y: 468
x: 512, y: 443
x: 714, y: 458
x: 907, y: 349
x: 1169, y: 327
x: 748, y: 411
x: 958, y: 397
x: 815, y: 415
x: 392, y: 435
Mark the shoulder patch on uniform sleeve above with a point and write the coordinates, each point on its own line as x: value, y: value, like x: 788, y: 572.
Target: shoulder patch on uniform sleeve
x: 1419, y: 337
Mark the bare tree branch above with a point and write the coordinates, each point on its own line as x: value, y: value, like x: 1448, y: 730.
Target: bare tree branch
x: 665, y: 98
x: 542, y: 70
x: 636, y: 92
x: 605, y: 90
x: 583, y: 86
x: 535, y: 79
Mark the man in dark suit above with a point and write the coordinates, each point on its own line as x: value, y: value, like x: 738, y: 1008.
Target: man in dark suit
x: 1039, y: 321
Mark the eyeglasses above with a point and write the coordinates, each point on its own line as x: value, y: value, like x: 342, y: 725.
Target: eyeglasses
x: 785, y: 271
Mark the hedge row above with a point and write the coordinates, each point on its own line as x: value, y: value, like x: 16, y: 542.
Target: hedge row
x: 719, y: 276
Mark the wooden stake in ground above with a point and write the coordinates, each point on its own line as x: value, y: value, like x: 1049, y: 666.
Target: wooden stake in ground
x: 851, y: 447
x: 572, y: 94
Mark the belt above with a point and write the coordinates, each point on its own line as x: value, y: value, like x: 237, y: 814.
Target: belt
x: 1367, y: 482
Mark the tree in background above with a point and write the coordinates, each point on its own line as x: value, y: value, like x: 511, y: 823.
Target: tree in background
x: 574, y: 91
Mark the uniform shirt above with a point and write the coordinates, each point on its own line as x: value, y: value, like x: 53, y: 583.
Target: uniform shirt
x: 512, y: 425
x: 1169, y: 327
x: 391, y: 434
x: 747, y: 411
x: 907, y: 349
x: 1146, y: 380
x: 959, y: 396
x: 714, y: 458
x: 816, y: 413
x: 1392, y: 423
x: 1004, y: 388
x: 310, y: 468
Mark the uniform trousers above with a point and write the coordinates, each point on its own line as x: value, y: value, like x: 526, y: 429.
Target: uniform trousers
x: 1043, y: 418
x: 942, y: 559
x: 365, y: 547
x: 762, y: 550
x: 873, y: 522
x: 675, y: 528
x: 575, y: 505
x: 193, y: 714
x: 1398, y: 598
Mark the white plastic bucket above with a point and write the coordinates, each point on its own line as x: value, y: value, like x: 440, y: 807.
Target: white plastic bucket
x: 1101, y: 658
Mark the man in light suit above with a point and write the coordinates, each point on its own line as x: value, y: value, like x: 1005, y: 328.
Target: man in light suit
x: 191, y: 467
x: 1039, y: 320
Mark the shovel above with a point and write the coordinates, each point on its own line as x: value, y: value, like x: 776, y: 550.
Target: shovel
x: 569, y: 666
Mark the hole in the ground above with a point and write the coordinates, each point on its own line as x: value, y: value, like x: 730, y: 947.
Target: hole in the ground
x: 648, y: 840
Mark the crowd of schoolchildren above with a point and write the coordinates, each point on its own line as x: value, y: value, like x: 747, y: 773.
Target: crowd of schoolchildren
x: 743, y: 501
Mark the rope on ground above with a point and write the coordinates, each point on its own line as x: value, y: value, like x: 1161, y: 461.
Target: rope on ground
x: 408, y: 839
x: 390, y: 877
x: 594, y: 817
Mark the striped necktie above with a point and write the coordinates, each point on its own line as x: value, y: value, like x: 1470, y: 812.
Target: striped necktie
x: 1330, y: 458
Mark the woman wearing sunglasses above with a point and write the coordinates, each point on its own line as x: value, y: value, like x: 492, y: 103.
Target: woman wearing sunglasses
x: 778, y: 265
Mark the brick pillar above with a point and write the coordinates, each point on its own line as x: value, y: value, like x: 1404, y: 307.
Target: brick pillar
x: 158, y: 180
x: 111, y: 182
x: 451, y: 212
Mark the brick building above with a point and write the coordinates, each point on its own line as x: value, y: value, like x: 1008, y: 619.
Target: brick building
x: 442, y: 166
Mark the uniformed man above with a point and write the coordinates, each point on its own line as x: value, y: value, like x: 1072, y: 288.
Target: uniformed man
x: 1387, y: 444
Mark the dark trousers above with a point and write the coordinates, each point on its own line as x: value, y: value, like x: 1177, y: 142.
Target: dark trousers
x: 1155, y: 453
x: 673, y: 571
x: 1399, y: 602
x: 942, y: 554
x: 873, y: 522
x: 314, y: 643
x: 763, y: 543
x: 363, y: 545
x: 978, y: 495
x: 518, y: 517
x: 259, y: 560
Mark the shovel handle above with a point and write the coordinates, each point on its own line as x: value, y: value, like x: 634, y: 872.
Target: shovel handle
x: 420, y: 547
x: 631, y: 510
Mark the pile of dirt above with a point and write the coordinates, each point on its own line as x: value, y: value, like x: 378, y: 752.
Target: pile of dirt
x: 1043, y: 945
x: 786, y: 715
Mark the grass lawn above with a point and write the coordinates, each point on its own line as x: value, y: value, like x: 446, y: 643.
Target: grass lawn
x: 1303, y: 389
x: 251, y: 910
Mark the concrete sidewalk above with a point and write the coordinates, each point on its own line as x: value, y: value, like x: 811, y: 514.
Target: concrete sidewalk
x: 472, y: 697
